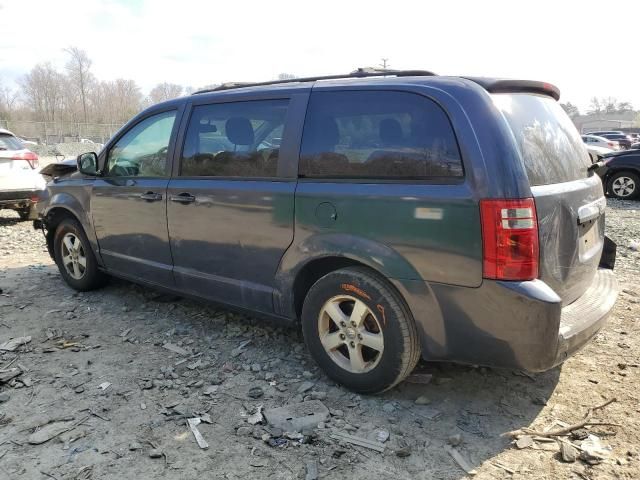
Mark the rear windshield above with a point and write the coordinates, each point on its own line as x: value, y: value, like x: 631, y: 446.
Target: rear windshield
x: 9, y: 142
x: 550, y: 145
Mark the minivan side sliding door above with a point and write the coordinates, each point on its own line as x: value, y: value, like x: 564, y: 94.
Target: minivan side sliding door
x: 230, y: 209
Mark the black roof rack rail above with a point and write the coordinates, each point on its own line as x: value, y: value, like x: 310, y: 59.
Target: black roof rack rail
x: 359, y: 73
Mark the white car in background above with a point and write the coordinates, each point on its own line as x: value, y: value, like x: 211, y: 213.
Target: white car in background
x: 20, y: 181
x: 597, y: 153
x: 596, y: 141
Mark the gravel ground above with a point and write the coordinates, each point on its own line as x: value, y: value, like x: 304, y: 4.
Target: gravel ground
x: 136, y: 427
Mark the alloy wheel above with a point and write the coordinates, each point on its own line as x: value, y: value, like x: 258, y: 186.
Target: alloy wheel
x: 350, y: 334
x: 74, y: 258
x: 623, y: 186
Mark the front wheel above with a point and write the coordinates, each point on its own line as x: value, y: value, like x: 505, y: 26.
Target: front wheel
x: 75, y: 259
x: 624, y: 185
x: 359, y: 330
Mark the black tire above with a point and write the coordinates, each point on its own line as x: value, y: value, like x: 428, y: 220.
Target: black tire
x: 621, y: 175
x: 401, y: 349
x: 92, y: 277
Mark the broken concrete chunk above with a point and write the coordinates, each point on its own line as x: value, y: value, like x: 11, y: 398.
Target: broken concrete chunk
x: 297, y: 417
x: 568, y: 452
x: 6, y: 375
x: 14, y: 343
x: 175, y: 349
x: 524, y: 442
x: 312, y: 470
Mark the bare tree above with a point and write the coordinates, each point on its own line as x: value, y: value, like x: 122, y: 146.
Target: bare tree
x: 164, y: 91
x: 8, y: 100
x: 571, y: 109
x: 595, y: 107
x: 78, y: 70
x: 42, y: 90
x: 118, y: 100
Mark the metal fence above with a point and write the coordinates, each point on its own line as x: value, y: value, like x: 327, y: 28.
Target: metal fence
x: 60, y: 132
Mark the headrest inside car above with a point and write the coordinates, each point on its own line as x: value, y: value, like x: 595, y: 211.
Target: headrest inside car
x: 239, y: 131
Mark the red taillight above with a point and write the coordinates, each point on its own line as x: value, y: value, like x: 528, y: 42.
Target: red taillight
x: 509, y: 239
x: 30, y: 157
x: 611, y: 144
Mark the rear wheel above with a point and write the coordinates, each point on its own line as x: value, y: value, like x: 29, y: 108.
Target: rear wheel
x: 624, y: 185
x: 359, y: 330
x: 74, y: 257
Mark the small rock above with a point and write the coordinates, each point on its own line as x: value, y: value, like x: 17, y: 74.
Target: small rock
x: 255, y: 392
x: 389, y: 407
x: 255, y: 367
x: 269, y: 376
x: 454, y: 440
x: 319, y: 395
x: 4, y: 397
x: 568, y: 452
x: 382, y: 436
x: 337, y: 413
x: 403, y: 452
x: 305, y: 387
x: 307, y: 374
x: 422, y: 400
x: 79, y: 389
x: 244, y: 431
x: 524, y: 442
x: 155, y: 453
x: 312, y: 470
x: 134, y: 446
x: 143, y: 406
x: 539, y: 401
x: 579, y: 434
x: 216, y: 379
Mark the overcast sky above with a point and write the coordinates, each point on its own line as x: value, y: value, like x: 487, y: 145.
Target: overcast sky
x: 583, y: 47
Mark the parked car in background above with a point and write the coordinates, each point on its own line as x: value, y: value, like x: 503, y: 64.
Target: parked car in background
x: 595, y: 141
x: 20, y: 182
x: 620, y: 173
x: 394, y: 217
x: 600, y: 132
x: 635, y: 146
x: 597, y: 154
x: 621, y: 138
x: 634, y: 137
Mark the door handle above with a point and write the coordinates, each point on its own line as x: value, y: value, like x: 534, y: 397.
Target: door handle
x: 151, y: 196
x: 183, y: 198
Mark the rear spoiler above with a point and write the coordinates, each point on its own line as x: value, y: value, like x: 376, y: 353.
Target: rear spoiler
x: 494, y: 85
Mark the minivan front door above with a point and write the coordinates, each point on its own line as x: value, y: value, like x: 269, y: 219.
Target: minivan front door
x: 129, y: 202
x: 230, y: 207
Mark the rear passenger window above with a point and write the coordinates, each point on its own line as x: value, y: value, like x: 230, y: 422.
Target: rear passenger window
x: 375, y: 134
x: 239, y: 139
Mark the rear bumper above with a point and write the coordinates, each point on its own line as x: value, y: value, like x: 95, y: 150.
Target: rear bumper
x: 581, y: 320
x: 520, y: 325
x: 26, y: 197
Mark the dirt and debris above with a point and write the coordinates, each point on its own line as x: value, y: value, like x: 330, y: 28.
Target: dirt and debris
x: 168, y: 361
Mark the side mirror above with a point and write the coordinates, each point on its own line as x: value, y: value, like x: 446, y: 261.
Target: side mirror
x: 88, y: 163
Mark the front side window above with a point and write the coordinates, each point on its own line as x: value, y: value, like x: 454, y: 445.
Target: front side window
x: 377, y: 134
x: 240, y: 139
x: 142, y: 151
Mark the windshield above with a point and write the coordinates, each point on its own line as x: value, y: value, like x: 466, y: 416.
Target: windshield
x: 550, y: 145
x: 9, y: 142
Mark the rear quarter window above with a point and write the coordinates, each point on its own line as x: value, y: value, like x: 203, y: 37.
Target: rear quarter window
x: 377, y: 135
x: 550, y: 146
x: 9, y: 142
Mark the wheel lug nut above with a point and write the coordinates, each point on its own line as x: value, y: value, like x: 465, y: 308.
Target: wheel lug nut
x: 342, y: 336
x: 359, y: 337
x: 352, y: 344
x: 342, y: 324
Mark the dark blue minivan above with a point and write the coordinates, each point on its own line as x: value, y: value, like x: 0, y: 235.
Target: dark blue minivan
x: 393, y: 214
